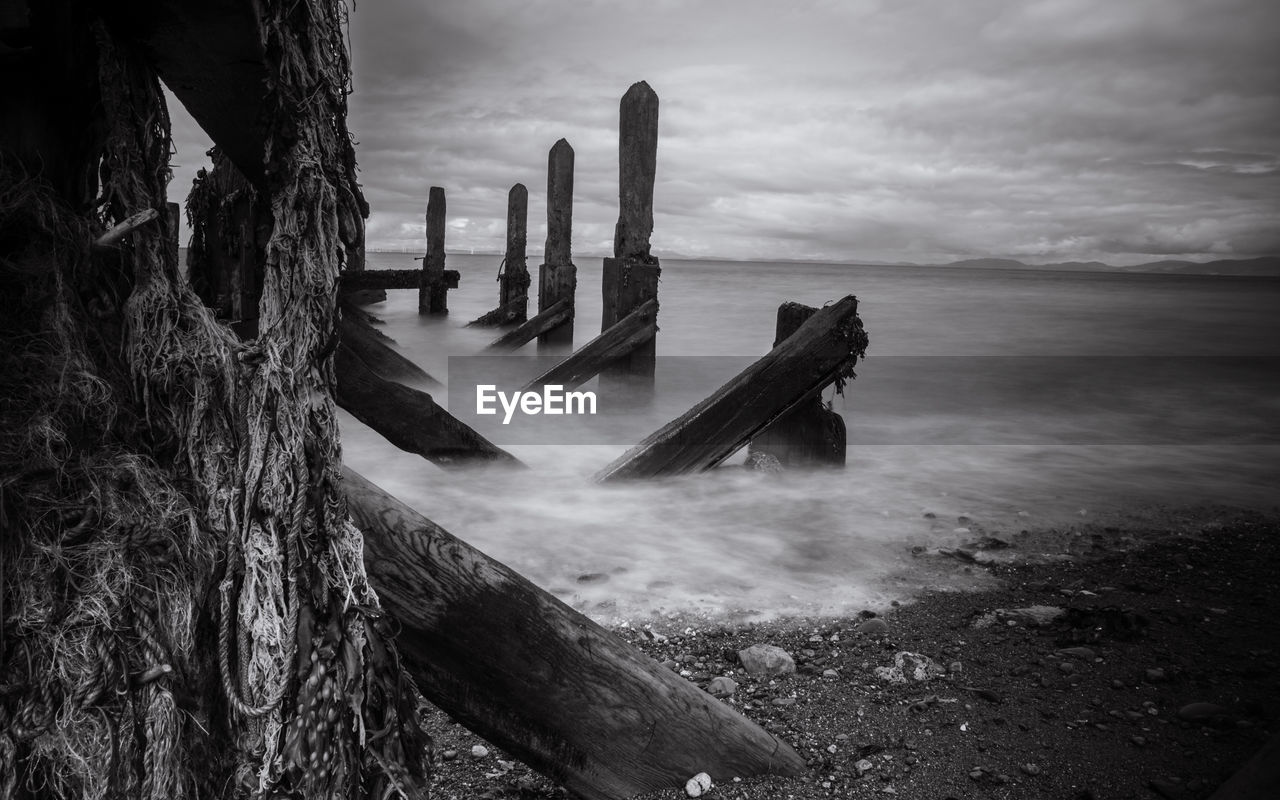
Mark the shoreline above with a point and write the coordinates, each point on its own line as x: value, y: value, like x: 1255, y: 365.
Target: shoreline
x: 1158, y: 679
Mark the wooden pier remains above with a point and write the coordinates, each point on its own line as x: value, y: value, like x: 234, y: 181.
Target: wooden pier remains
x: 822, y: 351
x: 531, y: 675
x: 631, y: 277
x: 433, y: 293
x: 810, y: 434
x: 558, y: 277
x: 513, y: 275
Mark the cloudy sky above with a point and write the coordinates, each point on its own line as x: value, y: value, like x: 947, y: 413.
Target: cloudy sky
x: 882, y: 130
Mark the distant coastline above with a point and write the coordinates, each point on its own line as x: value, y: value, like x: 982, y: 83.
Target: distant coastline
x: 1260, y: 267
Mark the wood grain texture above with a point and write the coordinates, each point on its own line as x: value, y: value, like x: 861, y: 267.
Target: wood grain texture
x: 823, y: 349
x: 374, y: 349
x: 531, y: 675
x: 617, y: 342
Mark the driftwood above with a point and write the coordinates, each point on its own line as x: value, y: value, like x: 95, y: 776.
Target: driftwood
x: 810, y: 433
x: 513, y: 275
x: 408, y: 418
x: 391, y: 279
x: 822, y: 351
x: 616, y: 342
x: 534, y: 677
x: 553, y: 317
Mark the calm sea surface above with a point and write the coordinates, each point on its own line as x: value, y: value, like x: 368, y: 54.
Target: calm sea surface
x: 1019, y: 399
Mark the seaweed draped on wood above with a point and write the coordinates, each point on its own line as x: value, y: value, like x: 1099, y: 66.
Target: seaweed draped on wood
x: 219, y: 550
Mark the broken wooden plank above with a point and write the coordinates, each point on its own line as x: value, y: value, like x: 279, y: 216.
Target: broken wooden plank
x: 811, y: 433
x: 392, y: 279
x: 558, y: 277
x: 824, y: 349
x: 548, y: 320
x: 534, y: 677
x: 433, y: 295
x: 122, y: 229
x: 408, y: 418
x: 374, y: 348
x: 616, y: 342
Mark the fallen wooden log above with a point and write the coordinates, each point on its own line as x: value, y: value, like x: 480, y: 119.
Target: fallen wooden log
x: 810, y: 433
x: 617, y: 342
x: 409, y: 419
x: 557, y: 314
x: 821, y: 352
x: 534, y: 677
x: 391, y: 279
x: 505, y: 314
x: 123, y: 229
x: 374, y: 349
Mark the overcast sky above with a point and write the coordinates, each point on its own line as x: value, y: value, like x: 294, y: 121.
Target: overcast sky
x: 883, y: 130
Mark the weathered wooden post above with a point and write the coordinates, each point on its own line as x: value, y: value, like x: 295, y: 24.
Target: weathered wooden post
x: 433, y: 293
x: 513, y: 277
x: 810, y: 433
x: 513, y: 287
x: 174, y: 220
x: 631, y: 276
x: 558, y: 277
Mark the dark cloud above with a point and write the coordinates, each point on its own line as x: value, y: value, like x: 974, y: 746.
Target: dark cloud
x: 911, y: 130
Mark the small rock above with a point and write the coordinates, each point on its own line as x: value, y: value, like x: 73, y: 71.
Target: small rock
x: 830, y: 673
x: 1156, y: 675
x: 449, y: 755
x: 909, y: 667
x: 784, y: 701
x: 593, y: 577
x: 1166, y: 789
x: 698, y: 785
x: 1201, y: 712
x: 1140, y: 741
x: 722, y: 687
x: 1082, y: 653
x: 766, y: 661
x: 874, y: 627
x: 1031, y: 769
x: 479, y: 751
x: 863, y: 766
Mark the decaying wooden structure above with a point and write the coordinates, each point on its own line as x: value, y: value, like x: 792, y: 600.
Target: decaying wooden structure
x: 810, y: 434
x: 433, y: 294
x: 247, y: 425
x: 822, y: 351
x: 558, y: 277
x: 513, y: 274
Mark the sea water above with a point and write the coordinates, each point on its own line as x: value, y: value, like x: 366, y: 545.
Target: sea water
x: 1017, y: 399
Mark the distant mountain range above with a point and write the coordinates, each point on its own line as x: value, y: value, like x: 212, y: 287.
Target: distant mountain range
x: 1266, y: 266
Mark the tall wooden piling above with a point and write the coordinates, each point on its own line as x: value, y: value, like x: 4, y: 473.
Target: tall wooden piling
x: 558, y: 277
x: 811, y: 433
x: 174, y: 220
x: 631, y: 276
x: 433, y: 294
x: 513, y: 286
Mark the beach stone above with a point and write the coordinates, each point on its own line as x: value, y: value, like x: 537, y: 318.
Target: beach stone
x: 593, y: 577
x: 830, y: 673
x: 722, y: 687
x: 910, y: 668
x: 449, y: 755
x: 766, y: 661
x: 863, y: 766
x: 1082, y: 653
x: 1031, y: 616
x: 479, y: 751
x: 874, y: 627
x: 698, y: 785
x: 1201, y: 712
